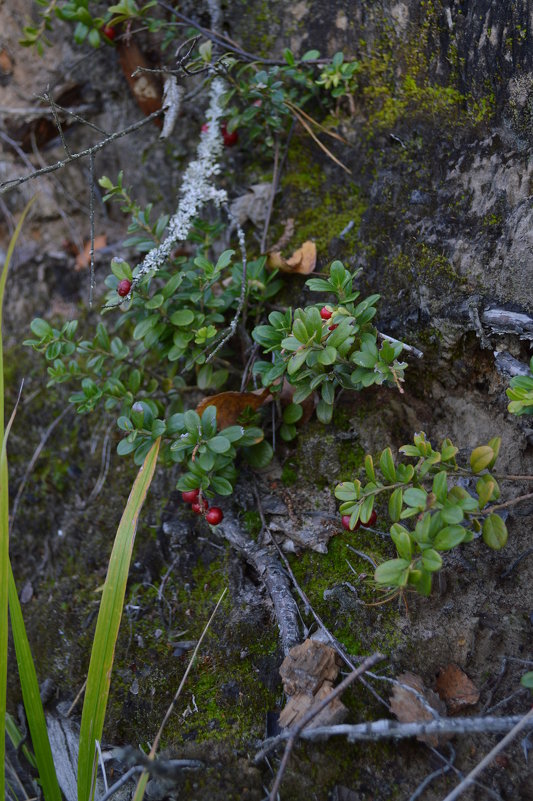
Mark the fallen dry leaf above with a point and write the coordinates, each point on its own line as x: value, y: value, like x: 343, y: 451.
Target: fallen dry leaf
x: 253, y: 205
x: 302, y: 261
x: 456, y: 689
x: 230, y: 405
x: 144, y: 86
x: 83, y: 259
x: 408, y: 708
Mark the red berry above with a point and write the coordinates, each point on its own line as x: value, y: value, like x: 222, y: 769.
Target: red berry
x: 214, y: 516
x: 257, y: 103
x: 371, y: 520
x: 124, y: 287
x: 325, y: 313
x: 109, y: 31
x: 333, y: 327
x: 230, y: 139
x: 205, y: 127
x: 200, y: 507
x: 346, y: 523
x: 190, y: 496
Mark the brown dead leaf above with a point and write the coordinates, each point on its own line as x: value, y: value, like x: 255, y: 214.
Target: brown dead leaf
x: 302, y: 261
x: 456, y: 689
x: 409, y: 708
x: 144, y: 86
x: 230, y: 405
x: 83, y: 259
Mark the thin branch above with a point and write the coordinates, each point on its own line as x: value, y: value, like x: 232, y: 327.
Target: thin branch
x: 230, y: 331
x: 525, y: 721
x: 313, y: 136
x: 407, y: 348
x: 91, y: 219
x: 49, y: 99
x: 313, y: 712
x: 7, y: 186
x: 373, y: 731
x: 504, y: 505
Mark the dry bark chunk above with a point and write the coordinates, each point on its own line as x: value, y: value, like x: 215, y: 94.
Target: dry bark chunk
x: 308, y: 672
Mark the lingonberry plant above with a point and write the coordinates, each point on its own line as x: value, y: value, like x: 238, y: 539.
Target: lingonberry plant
x: 520, y: 393
x: 434, y: 504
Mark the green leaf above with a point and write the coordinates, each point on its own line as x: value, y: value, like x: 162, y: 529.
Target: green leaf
x: 386, y: 464
x: 41, y: 328
x: 369, y: 468
x: 296, y: 361
x: 364, y: 359
x: 431, y: 560
x: 416, y: 498
x: 348, y: 490
x: 449, y: 537
x: 402, y: 539
x: 452, y: 514
x: 292, y: 413
x: 481, y: 458
x: 221, y: 485
x: 494, y: 532
x: 421, y: 581
x: 182, y: 317
x: 440, y: 486
x: 324, y: 411
x: 487, y: 489
x: 107, y: 626
x: 259, y: 455
x: 328, y: 355
x: 218, y: 444
x: 392, y: 573
x: 527, y: 680
x: 396, y: 504
x: 495, y: 444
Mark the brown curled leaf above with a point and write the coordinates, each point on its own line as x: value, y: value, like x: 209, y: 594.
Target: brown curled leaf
x: 302, y: 261
x: 230, y: 405
x: 144, y: 86
x: 455, y: 688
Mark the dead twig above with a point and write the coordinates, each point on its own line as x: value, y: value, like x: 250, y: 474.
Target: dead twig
x: 7, y: 186
x: 275, y: 178
x: 372, y: 731
x: 525, y: 721
x: 296, y: 732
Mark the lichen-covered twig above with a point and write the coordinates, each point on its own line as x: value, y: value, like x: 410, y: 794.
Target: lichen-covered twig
x: 392, y: 730
x: 271, y: 574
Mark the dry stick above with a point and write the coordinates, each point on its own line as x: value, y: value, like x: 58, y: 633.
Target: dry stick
x: 242, y: 299
x: 376, y: 730
x: 407, y: 348
x: 49, y: 99
x: 507, y: 503
x: 91, y: 219
x: 275, y: 177
x: 485, y: 762
x: 314, y: 711
x: 313, y: 136
x: 7, y: 186
x: 273, y: 577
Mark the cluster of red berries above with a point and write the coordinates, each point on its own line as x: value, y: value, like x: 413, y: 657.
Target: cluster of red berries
x: 230, y: 139
x: 370, y: 522
x: 124, y: 287
x: 326, y: 314
x: 214, y: 516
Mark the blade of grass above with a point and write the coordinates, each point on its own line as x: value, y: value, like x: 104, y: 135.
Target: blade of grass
x: 107, y: 626
x: 4, y: 517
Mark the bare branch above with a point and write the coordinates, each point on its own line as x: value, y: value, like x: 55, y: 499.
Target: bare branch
x: 7, y: 186
x: 392, y: 730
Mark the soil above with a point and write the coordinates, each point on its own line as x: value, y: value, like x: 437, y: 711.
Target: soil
x: 440, y: 197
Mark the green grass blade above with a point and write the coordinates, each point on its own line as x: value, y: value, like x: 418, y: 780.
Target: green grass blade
x: 107, y: 626
x: 4, y: 520
x: 32, y: 698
